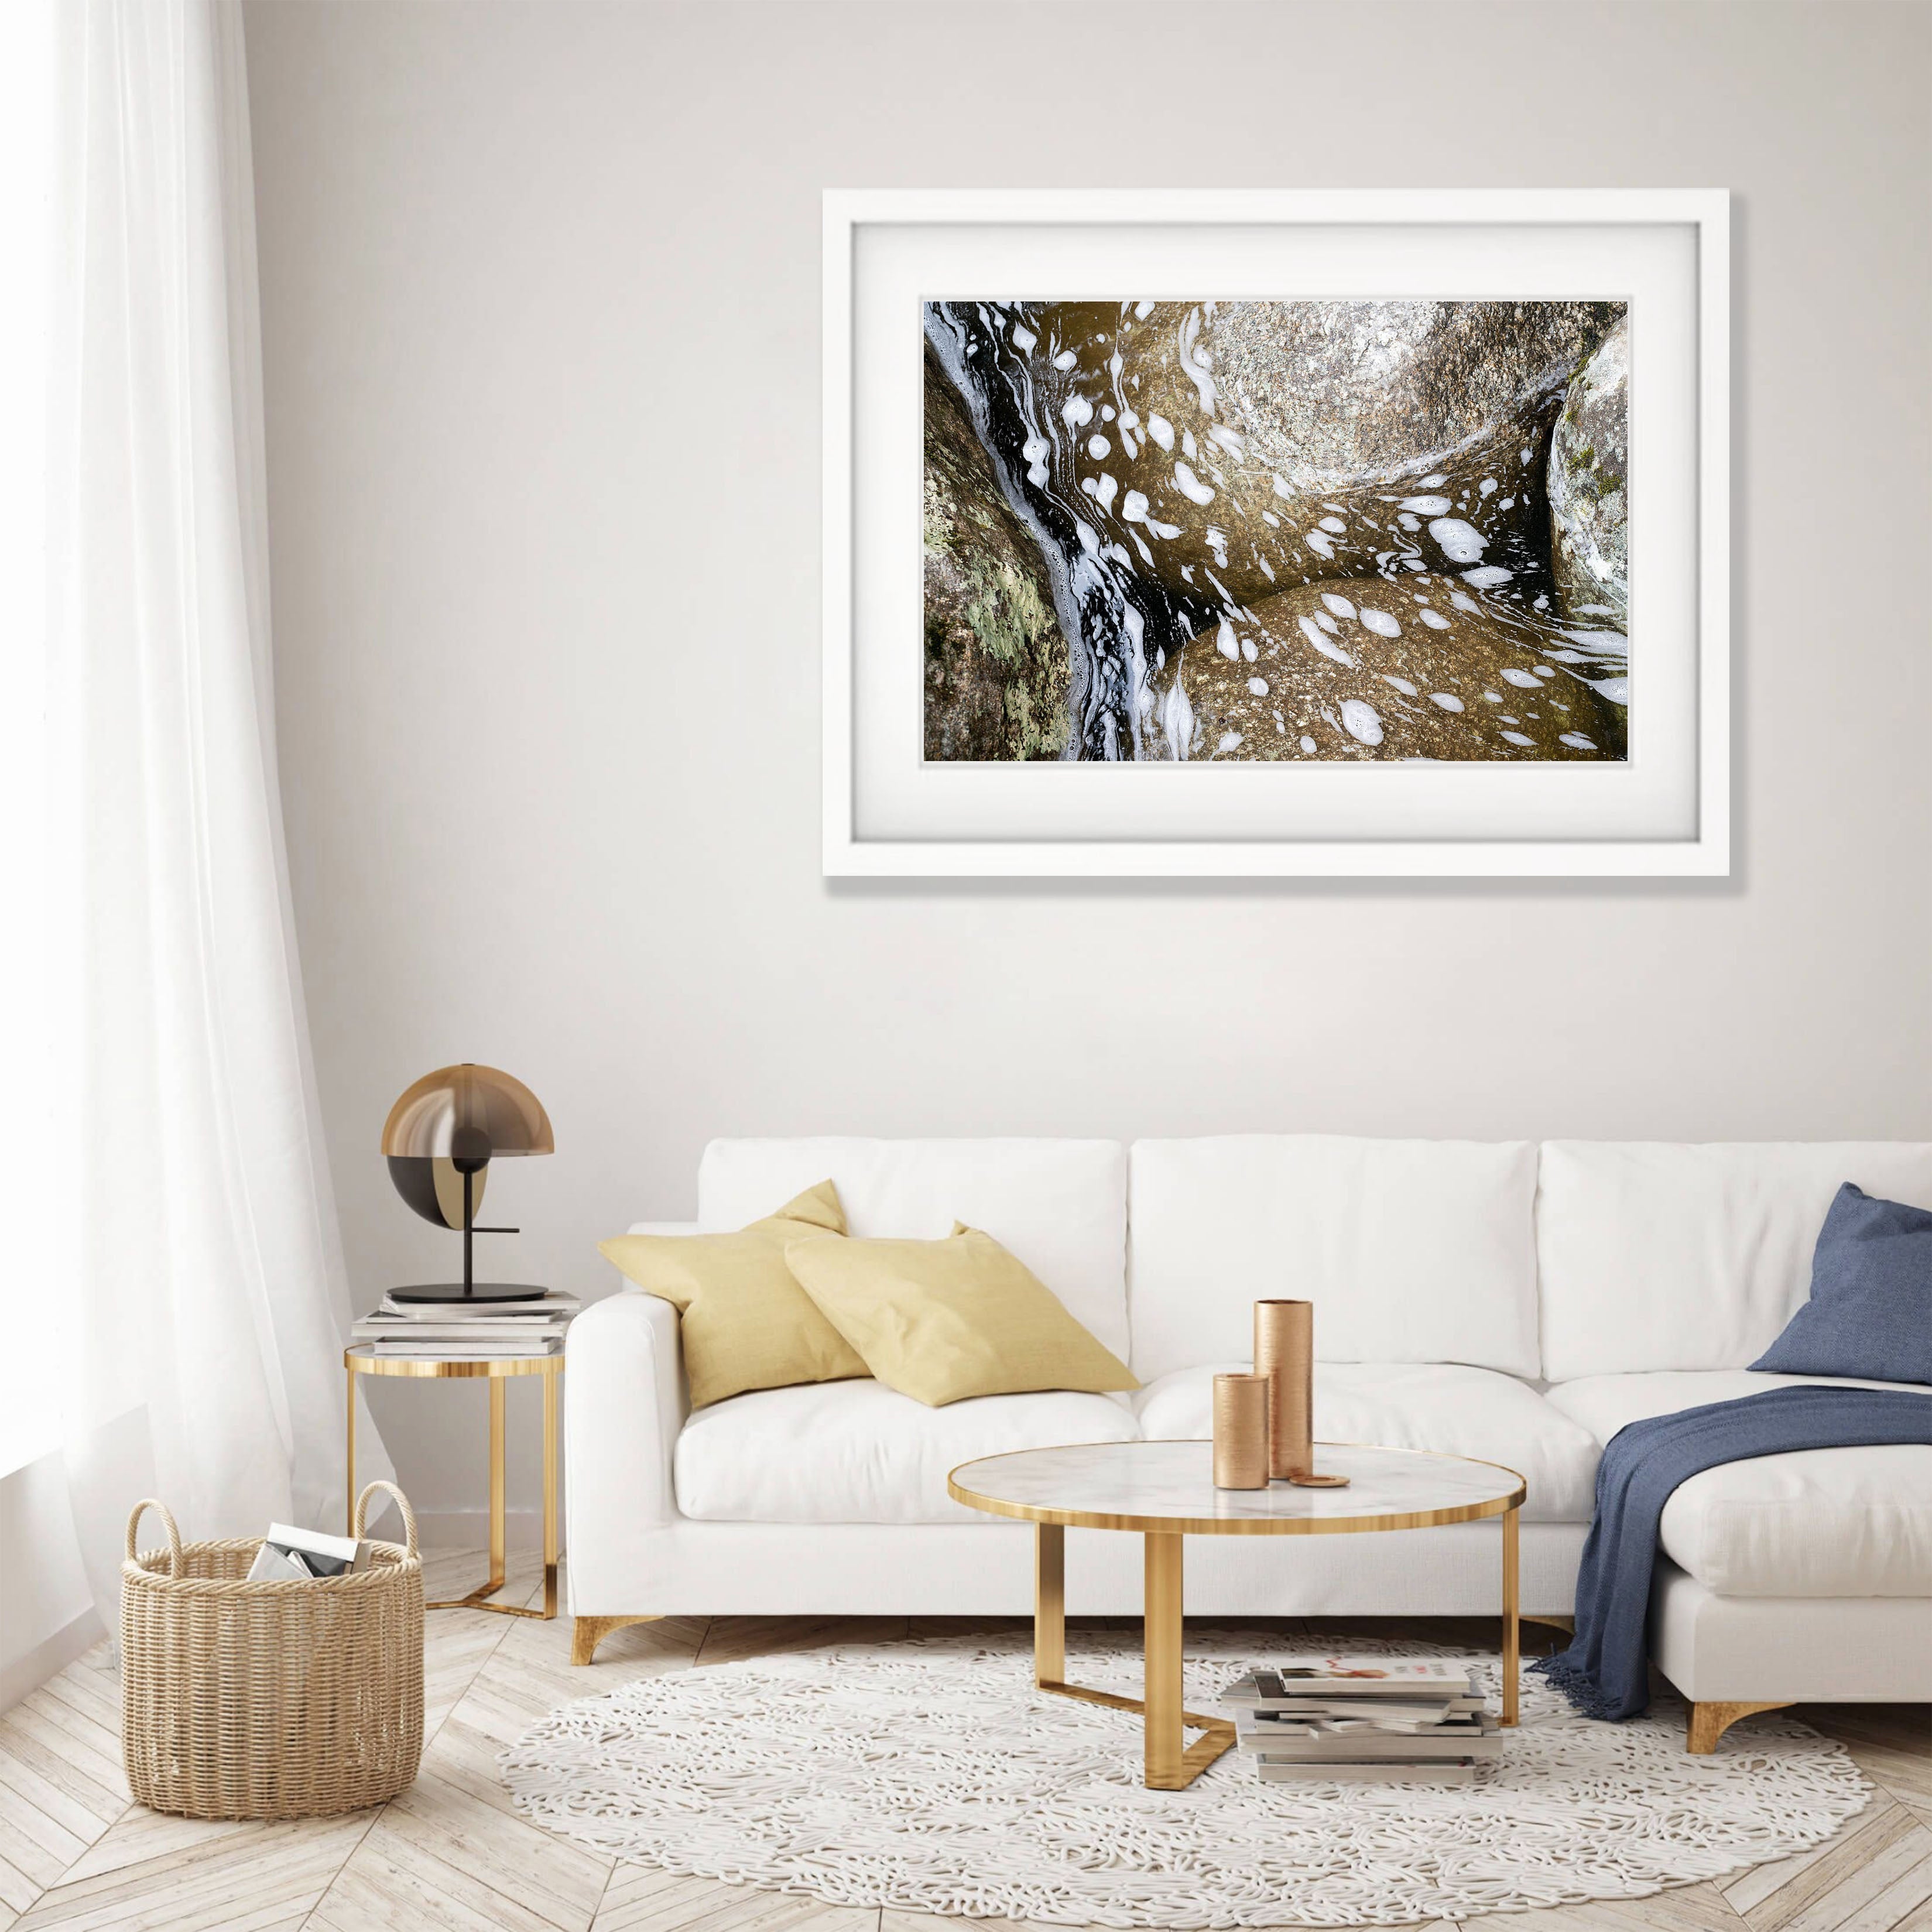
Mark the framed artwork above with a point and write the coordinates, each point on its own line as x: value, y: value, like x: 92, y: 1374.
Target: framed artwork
x: 1264, y: 532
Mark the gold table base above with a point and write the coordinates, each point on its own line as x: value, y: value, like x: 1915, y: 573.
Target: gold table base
x: 1171, y: 1763
x: 361, y: 1361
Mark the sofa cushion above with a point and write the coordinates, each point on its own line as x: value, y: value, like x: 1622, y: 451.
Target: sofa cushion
x: 1657, y: 1256
x: 1405, y: 1405
x: 1411, y: 1251
x: 1812, y: 1522
x: 1060, y: 1205
x: 1870, y: 1308
x: 859, y: 1452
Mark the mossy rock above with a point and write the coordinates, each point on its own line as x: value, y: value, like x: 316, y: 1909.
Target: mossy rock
x: 996, y: 660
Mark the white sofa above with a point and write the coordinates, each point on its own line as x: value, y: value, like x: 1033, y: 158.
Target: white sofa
x: 1506, y: 1300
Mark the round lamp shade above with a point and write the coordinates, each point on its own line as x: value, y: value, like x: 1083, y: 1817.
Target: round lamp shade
x: 466, y: 1115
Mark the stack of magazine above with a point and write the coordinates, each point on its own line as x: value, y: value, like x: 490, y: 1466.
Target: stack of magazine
x: 469, y: 1331
x: 1418, y: 1720
x: 305, y: 1555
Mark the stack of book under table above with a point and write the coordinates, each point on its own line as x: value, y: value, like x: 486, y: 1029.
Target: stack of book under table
x: 468, y: 1331
x: 1418, y: 1720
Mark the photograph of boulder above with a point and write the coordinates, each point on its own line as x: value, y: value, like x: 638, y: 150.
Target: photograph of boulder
x: 1310, y: 530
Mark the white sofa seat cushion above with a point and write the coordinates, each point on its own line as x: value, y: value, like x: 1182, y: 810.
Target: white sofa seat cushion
x: 1060, y: 1205
x: 859, y: 1452
x: 1654, y: 1255
x: 1811, y: 1522
x: 1411, y: 1251
x: 1408, y: 1406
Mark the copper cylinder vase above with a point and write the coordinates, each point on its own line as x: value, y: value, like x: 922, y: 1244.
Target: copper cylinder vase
x: 1241, y: 1431
x: 1285, y: 1354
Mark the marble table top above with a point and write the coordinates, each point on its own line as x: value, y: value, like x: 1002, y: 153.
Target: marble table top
x: 1169, y: 1486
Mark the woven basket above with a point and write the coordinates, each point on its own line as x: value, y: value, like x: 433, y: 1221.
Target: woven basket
x: 269, y: 1700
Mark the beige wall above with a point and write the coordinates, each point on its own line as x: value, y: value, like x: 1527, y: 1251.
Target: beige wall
x: 540, y: 288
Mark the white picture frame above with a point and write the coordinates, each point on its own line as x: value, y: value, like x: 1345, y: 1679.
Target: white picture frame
x: 1665, y: 811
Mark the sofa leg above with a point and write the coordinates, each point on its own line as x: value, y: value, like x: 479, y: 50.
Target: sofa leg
x: 1709, y: 1722
x: 589, y: 1632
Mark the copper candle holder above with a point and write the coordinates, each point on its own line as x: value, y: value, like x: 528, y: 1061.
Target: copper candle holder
x: 1285, y: 1354
x: 1241, y: 1431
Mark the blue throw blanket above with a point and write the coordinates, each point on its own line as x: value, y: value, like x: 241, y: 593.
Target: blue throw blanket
x: 1603, y: 1673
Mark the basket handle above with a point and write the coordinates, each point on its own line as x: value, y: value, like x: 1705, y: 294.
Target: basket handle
x: 167, y: 1523
x: 402, y: 1503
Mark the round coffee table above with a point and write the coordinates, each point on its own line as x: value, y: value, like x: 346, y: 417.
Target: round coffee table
x: 1165, y: 1490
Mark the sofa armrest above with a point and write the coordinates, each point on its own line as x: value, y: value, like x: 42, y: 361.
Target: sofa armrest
x: 624, y: 1406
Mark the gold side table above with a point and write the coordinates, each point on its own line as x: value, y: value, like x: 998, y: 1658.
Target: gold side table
x: 363, y: 1361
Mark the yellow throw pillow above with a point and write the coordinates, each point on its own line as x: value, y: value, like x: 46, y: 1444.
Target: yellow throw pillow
x: 745, y: 1322
x: 941, y: 1321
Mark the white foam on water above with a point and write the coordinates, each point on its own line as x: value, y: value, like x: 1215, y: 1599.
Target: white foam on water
x: 1361, y: 722
x: 1090, y: 538
x: 1488, y: 577
x: 1259, y: 685
x: 1381, y: 622
x: 1195, y: 367
x: 1447, y: 700
x: 1248, y: 649
x: 1616, y: 689
x: 1486, y: 486
x: 1541, y: 604
x: 1024, y: 340
x: 1226, y: 642
x: 1492, y: 696
x: 1269, y: 517
x: 1142, y: 310
x: 1162, y: 430
x: 1104, y: 493
x: 1576, y: 742
x: 1336, y: 524
x: 1401, y: 684
x: 1462, y: 603
x: 1526, y: 455
x: 1308, y: 746
x: 1075, y: 411
x: 1543, y: 671
x: 1217, y: 541
x: 1106, y: 413
x: 1340, y: 606
x: 1435, y: 482
x: 1517, y: 738
x: 1191, y: 486
x: 1410, y: 523
x: 1523, y: 680
x: 1425, y: 506
x: 1435, y: 620
x: 1281, y: 489
x: 1066, y: 359
x: 1595, y: 611
x: 1461, y: 543
x: 1098, y: 446
x: 1507, y: 503
x: 1134, y: 507
x: 1267, y: 568
x: 1315, y: 635
x: 1231, y: 741
x: 1320, y: 545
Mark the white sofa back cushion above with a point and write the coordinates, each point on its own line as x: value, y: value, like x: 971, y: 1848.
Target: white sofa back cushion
x: 1411, y: 1251
x: 1656, y: 1256
x: 1060, y: 1205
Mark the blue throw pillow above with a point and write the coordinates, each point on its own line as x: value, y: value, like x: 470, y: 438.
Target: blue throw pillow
x: 1870, y: 1310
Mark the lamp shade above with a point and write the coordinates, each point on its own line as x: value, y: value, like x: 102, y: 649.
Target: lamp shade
x: 466, y: 1114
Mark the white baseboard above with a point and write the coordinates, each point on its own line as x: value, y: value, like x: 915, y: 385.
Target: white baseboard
x: 469, y: 1528
x: 25, y: 1675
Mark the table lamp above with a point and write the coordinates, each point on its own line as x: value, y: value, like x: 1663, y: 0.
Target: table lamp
x: 439, y: 1140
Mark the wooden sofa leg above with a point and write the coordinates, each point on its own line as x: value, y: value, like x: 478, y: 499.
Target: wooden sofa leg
x: 589, y: 1632
x: 1709, y: 1722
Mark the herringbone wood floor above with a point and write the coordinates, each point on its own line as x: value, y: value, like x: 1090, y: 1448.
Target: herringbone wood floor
x: 451, y: 1852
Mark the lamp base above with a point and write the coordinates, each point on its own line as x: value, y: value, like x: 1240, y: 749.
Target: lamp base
x: 454, y: 1292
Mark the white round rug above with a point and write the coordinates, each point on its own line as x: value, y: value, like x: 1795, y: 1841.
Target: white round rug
x: 931, y: 1776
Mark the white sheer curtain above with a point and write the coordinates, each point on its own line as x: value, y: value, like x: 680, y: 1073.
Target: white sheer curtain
x: 204, y: 1276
